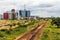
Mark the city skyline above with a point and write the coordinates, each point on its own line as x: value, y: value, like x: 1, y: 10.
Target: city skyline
x: 40, y: 8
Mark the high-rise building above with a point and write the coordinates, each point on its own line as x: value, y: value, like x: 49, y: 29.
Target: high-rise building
x: 27, y: 14
x: 24, y: 13
x: 11, y: 15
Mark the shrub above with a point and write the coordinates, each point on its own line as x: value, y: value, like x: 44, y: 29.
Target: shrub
x: 1, y: 35
x: 56, y: 21
x: 13, y: 24
x: 8, y: 32
x: 3, y: 30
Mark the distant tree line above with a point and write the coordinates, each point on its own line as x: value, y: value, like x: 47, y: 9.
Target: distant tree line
x: 56, y: 20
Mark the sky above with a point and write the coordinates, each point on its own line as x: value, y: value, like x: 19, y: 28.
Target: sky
x: 42, y: 8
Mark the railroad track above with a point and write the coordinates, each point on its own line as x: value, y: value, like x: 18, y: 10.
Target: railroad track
x: 34, y: 33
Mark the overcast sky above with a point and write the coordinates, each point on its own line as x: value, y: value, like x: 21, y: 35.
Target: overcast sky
x: 42, y: 8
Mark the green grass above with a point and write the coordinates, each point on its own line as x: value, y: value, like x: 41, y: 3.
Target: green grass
x: 11, y: 34
x: 20, y: 30
x: 51, y: 32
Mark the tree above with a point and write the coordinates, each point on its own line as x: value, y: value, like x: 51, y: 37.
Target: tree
x: 56, y: 21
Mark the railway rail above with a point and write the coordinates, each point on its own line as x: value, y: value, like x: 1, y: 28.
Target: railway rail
x: 34, y: 33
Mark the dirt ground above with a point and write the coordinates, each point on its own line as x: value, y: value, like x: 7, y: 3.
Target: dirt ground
x: 6, y: 22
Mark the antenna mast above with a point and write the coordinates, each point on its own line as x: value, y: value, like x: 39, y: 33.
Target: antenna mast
x: 24, y: 7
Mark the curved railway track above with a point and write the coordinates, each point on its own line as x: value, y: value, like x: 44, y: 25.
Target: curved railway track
x: 34, y: 33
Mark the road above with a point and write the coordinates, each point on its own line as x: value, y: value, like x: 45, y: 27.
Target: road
x: 34, y: 34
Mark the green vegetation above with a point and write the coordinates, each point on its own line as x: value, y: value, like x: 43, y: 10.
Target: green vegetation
x: 51, y: 32
x: 11, y: 34
x: 23, y: 25
x: 56, y: 21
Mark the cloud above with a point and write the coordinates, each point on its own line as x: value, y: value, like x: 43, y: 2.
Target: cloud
x: 45, y: 5
x: 1, y: 0
x: 37, y: 7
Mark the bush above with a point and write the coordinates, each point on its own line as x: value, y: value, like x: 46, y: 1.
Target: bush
x: 13, y: 24
x: 3, y: 30
x: 56, y: 21
x: 8, y: 32
x: 1, y: 35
